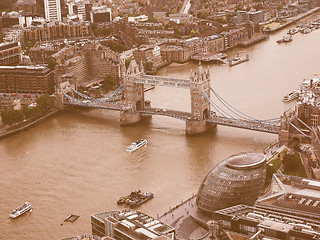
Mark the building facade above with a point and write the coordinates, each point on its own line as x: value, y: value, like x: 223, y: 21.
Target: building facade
x: 267, y: 222
x: 56, y: 31
x: 26, y: 79
x: 52, y: 10
x: 129, y: 225
x: 10, y: 54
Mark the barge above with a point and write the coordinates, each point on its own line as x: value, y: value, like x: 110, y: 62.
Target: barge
x: 135, y: 198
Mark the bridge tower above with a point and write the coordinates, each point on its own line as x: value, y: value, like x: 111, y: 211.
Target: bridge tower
x: 200, y: 106
x: 134, y: 95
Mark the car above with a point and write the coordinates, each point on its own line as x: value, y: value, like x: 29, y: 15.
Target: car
x: 164, y: 110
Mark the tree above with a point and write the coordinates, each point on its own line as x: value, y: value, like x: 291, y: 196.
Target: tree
x: 11, y: 116
x: 44, y: 102
x: 109, y: 82
x: 291, y: 162
x: 127, y: 63
x: 115, y: 46
x: 6, y: 5
x: 148, y: 66
x: 51, y: 63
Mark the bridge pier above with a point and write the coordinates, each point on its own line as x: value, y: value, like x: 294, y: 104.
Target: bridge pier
x: 129, y: 117
x: 59, y: 100
x: 194, y: 127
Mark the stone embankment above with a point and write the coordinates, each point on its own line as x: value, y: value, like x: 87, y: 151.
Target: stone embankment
x: 9, y: 131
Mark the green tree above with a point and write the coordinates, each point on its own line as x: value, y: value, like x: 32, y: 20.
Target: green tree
x: 147, y: 66
x: 116, y: 46
x: 28, y: 112
x: 11, y: 116
x: 6, y: 4
x: 51, y: 63
x: 127, y: 63
x: 109, y: 82
x: 44, y: 102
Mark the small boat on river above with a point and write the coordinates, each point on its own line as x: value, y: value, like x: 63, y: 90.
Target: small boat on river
x: 135, y: 198
x: 136, y: 145
x: 291, y: 96
x: 285, y: 39
x: 21, y: 210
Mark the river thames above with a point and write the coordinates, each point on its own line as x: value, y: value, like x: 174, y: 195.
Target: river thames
x: 76, y: 163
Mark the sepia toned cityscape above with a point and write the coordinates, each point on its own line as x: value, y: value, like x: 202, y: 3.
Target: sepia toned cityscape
x: 163, y: 119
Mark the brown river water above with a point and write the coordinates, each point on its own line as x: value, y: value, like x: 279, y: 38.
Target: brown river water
x: 76, y: 163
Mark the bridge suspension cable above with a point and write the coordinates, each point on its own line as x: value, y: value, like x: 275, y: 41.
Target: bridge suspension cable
x: 111, y: 96
x: 304, y: 123
x: 218, y: 108
x: 299, y: 130
x: 81, y: 94
x: 241, y: 114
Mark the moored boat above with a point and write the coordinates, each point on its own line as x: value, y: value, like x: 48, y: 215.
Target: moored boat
x: 293, y: 31
x: 285, y: 39
x: 20, y: 210
x: 135, y: 198
x: 291, y: 96
x: 136, y: 145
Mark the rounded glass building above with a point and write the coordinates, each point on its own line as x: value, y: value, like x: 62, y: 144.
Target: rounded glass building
x: 236, y: 180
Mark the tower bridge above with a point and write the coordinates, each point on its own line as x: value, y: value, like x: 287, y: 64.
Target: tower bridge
x: 204, y: 111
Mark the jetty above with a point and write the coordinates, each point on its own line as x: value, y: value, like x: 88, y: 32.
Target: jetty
x: 210, y: 57
x: 238, y: 60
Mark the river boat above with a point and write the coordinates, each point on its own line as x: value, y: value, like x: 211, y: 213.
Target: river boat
x: 306, y: 30
x: 136, y: 145
x: 135, y: 198
x: 291, y: 96
x: 293, y: 31
x: 21, y: 210
x: 237, y: 60
x: 285, y: 39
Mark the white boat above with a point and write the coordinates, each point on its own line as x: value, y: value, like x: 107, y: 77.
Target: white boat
x: 285, y: 39
x: 136, y: 145
x: 293, y: 31
x: 293, y: 95
x: 20, y: 210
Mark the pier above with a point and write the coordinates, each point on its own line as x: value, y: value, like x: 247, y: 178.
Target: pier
x: 238, y: 60
x: 210, y: 57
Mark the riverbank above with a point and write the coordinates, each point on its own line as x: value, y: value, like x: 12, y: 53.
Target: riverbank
x: 273, y: 27
x: 7, y: 131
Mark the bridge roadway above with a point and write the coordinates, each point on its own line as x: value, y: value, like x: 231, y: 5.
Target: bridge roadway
x: 251, y: 125
x: 163, y: 81
x: 166, y: 112
x: 108, y: 105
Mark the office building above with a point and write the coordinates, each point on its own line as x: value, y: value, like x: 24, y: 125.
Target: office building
x: 130, y: 225
x: 26, y: 79
x: 52, y: 10
x: 238, y: 179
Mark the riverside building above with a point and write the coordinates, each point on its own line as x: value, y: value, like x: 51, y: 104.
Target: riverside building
x: 129, y: 225
x: 26, y: 79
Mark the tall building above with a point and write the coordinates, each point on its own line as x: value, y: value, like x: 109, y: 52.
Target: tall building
x: 52, y: 10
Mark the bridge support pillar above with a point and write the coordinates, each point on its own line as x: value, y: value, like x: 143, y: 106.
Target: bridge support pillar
x: 128, y: 118
x: 283, y: 135
x: 194, y: 127
x: 59, y: 101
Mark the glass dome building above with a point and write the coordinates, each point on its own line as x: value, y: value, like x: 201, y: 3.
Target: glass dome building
x: 236, y: 180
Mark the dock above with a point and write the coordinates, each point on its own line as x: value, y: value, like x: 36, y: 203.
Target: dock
x: 233, y: 62
x: 210, y: 57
